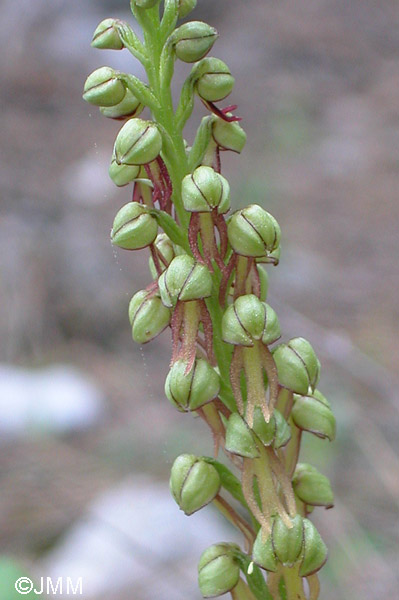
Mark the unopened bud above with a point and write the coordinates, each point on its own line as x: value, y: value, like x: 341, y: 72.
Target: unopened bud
x: 122, y: 174
x: 276, y: 432
x: 129, y: 107
x: 301, y: 544
x: 193, y: 40
x: 134, y: 228
x: 313, y: 413
x: 249, y: 319
x: 312, y: 487
x: 104, y: 88
x: 165, y: 247
x: 189, y: 391
x: 228, y: 135
x: 106, y: 35
x: 253, y: 232
x: 239, y: 438
x: 297, y: 365
x: 205, y: 190
x: 218, y: 570
x: 185, y: 7
x: 194, y: 483
x: 184, y: 280
x: 148, y: 317
x: 137, y: 143
x: 213, y: 80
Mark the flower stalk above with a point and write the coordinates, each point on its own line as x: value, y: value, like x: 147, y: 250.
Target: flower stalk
x: 210, y: 287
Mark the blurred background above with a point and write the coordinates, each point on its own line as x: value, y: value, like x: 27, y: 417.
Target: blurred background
x: 86, y: 436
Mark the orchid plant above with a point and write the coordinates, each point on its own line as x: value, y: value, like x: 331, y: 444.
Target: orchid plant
x: 209, y: 285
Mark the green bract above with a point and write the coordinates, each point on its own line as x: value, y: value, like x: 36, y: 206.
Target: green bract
x: 218, y: 570
x: 164, y: 245
x: 128, y: 107
x: 249, y: 319
x: 300, y: 545
x: 312, y: 413
x: 205, y: 190
x: 194, y: 483
x: 193, y: 40
x: 106, y: 35
x: 213, y: 79
x: 228, y: 136
x: 104, y: 88
x: 312, y: 487
x: 122, y: 174
x: 184, y: 280
x: 133, y: 227
x: 147, y: 316
x: 185, y: 7
x: 253, y: 232
x: 297, y: 365
x: 189, y: 391
x: 137, y: 143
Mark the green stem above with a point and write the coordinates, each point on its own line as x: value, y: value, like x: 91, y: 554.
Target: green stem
x: 293, y: 584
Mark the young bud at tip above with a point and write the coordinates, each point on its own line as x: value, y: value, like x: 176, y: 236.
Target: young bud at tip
x: 148, y: 317
x: 137, y: 143
x: 194, y: 483
x: 185, y: 7
x: 312, y: 487
x: 104, y: 88
x: 106, y: 36
x: 134, y: 228
x: 297, y: 365
x: 253, y: 232
x: 204, y: 190
x: 184, y: 280
x: 189, y: 391
x: 218, y: 570
x: 193, y: 40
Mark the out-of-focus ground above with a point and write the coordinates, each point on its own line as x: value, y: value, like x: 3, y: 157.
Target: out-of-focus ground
x: 318, y: 90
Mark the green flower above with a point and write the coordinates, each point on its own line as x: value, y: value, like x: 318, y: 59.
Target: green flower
x: 189, y: 391
x: 184, y: 280
x: 192, y: 41
x: 218, y: 570
x: 297, y: 365
x: 194, y: 483
x: 104, y: 88
x: 205, y: 190
x: 137, y: 143
x: 148, y: 317
x: 253, y: 232
x: 134, y: 228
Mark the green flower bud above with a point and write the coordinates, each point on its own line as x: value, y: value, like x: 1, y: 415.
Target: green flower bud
x: 148, y: 317
x: 301, y: 545
x: 239, y: 438
x: 193, y: 40
x: 137, y: 143
x: 122, y: 174
x: 297, y: 365
x: 145, y: 3
x: 213, y: 80
x: 249, y: 319
x: 185, y: 7
x: 253, y: 232
x: 283, y: 430
x: 228, y: 135
x: 106, y: 36
x: 194, y: 483
x: 129, y: 107
x: 314, y: 552
x: 165, y: 247
x: 189, y: 391
x: 204, y: 190
x: 184, y: 280
x: 311, y: 414
x: 134, y: 228
x: 218, y: 571
x: 312, y: 487
x: 104, y: 88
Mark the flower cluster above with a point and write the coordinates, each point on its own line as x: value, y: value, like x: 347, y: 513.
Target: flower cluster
x: 209, y: 285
